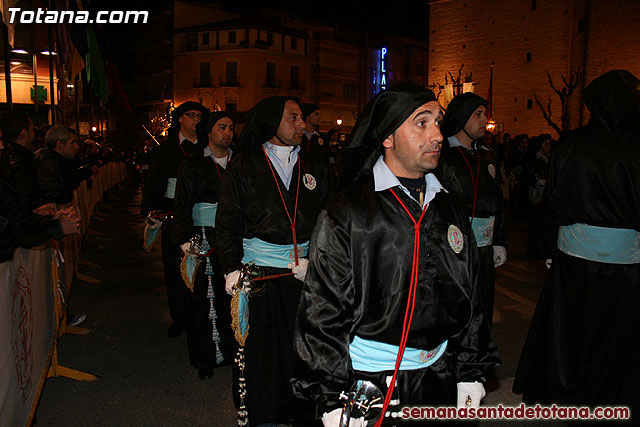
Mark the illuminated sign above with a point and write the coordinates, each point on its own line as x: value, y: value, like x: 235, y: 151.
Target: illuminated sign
x: 383, y: 69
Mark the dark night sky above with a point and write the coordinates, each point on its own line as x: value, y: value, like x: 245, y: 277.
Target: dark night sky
x: 399, y: 17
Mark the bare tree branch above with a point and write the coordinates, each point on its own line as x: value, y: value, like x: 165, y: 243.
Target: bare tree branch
x: 546, y: 114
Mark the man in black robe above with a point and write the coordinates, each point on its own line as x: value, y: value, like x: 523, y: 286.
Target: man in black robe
x: 468, y: 169
x: 583, y: 347
x: 364, y: 283
x: 270, y: 198
x: 158, y: 193
x: 209, y: 336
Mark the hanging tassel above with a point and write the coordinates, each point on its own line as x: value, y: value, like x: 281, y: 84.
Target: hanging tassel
x: 243, y: 414
x: 215, y: 335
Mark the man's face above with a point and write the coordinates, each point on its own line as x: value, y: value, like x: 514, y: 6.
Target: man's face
x: 313, y: 118
x: 477, y: 123
x: 69, y: 148
x: 221, y: 133
x: 291, y: 126
x: 414, y: 148
x: 189, y: 120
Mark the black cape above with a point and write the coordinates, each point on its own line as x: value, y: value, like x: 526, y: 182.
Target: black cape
x: 583, y: 346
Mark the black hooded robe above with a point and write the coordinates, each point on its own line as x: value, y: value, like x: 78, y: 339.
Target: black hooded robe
x: 357, y: 284
x: 359, y: 277
x: 583, y: 347
x: 250, y: 206
x: 164, y: 165
x: 455, y: 174
x: 199, y: 182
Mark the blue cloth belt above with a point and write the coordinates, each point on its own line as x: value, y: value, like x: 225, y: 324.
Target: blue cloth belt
x: 601, y: 244
x: 170, y: 192
x: 483, y: 230
x: 204, y: 214
x: 374, y: 356
x: 269, y: 254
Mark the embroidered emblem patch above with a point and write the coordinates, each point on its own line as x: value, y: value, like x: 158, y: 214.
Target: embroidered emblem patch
x: 320, y: 141
x: 292, y: 254
x: 492, y: 171
x: 309, y: 181
x: 455, y: 238
x: 425, y: 356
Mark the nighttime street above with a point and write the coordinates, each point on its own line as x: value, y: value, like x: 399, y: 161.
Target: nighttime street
x: 363, y: 198
x: 145, y: 378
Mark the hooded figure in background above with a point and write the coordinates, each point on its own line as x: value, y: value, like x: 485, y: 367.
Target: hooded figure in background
x: 468, y: 169
x: 270, y: 197
x: 312, y: 141
x: 158, y: 194
x: 391, y: 245
x: 583, y: 347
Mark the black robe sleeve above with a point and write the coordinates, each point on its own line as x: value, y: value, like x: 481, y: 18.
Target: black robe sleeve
x: 187, y: 193
x: 323, y: 364
x: 230, y: 227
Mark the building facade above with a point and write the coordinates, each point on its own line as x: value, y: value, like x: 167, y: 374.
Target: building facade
x: 524, y: 40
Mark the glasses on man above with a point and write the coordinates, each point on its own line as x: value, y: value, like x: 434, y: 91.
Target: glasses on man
x: 193, y: 115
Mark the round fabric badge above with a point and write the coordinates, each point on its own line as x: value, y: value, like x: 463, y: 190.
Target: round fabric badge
x: 455, y: 238
x: 492, y: 171
x: 309, y: 181
x: 320, y: 141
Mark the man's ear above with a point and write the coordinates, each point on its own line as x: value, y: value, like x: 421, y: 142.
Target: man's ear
x: 388, y: 142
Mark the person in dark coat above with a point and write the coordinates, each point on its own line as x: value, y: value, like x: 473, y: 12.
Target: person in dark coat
x: 58, y: 174
x: 391, y: 294
x: 270, y: 197
x: 17, y: 161
x: 209, y: 336
x: 158, y: 193
x: 21, y: 228
x: 312, y: 141
x: 468, y: 169
x: 583, y: 346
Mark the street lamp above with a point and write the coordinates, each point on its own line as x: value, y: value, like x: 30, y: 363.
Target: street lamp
x: 339, y: 122
x: 491, y: 126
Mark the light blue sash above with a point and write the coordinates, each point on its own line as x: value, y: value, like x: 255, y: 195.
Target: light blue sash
x: 269, y: 254
x: 204, y: 214
x: 601, y: 244
x: 374, y: 356
x: 483, y: 230
x: 170, y: 192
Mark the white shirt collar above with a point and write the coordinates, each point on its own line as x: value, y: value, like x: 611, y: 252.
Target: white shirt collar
x: 454, y: 142
x: 222, y: 161
x: 384, y: 179
x: 181, y: 138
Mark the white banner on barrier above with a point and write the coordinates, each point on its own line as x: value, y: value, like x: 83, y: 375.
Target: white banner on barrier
x: 28, y: 324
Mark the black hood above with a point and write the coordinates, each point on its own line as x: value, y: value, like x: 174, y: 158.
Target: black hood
x: 379, y: 119
x: 263, y: 121
x: 613, y: 99
x: 458, y: 112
